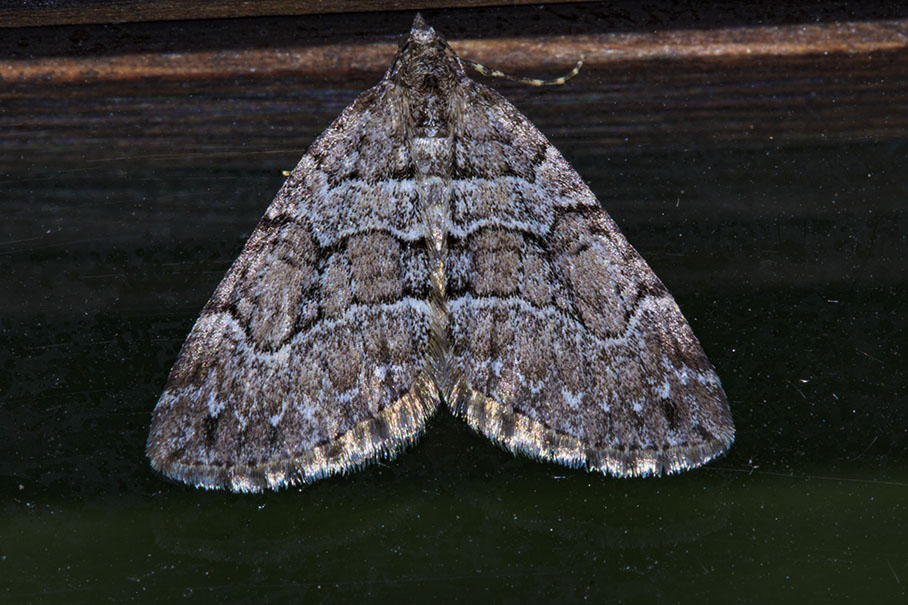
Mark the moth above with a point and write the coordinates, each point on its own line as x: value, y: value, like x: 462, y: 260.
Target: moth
x: 432, y: 247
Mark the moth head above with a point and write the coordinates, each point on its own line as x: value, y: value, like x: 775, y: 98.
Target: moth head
x: 420, y: 29
x: 424, y: 59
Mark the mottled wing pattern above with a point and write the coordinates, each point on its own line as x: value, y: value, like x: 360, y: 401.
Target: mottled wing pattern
x: 309, y: 357
x: 569, y: 346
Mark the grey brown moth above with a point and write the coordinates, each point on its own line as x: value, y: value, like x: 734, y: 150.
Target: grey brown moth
x: 433, y: 247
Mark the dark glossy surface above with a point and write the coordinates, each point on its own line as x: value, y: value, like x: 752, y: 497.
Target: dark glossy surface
x: 788, y: 258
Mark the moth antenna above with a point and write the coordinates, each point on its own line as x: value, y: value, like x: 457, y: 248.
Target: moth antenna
x: 494, y: 73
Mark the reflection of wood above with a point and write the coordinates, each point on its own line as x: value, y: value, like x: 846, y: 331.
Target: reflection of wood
x: 95, y: 89
x: 130, y: 11
x: 212, y: 50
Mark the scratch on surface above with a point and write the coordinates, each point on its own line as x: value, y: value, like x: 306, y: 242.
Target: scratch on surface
x: 897, y: 581
x: 869, y: 445
x: 800, y: 392
x: 869, y: 356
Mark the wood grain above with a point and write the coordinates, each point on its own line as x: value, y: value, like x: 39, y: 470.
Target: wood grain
x: 85, y: 12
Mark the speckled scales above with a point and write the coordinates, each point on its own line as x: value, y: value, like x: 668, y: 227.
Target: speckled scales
x: 569, y: 346
x: 308, y: 359
x: 432, y: 246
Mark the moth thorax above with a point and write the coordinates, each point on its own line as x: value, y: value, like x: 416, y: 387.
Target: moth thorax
x: 432, y: 156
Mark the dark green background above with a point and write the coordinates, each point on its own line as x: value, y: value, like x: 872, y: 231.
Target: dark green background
x: 787, y: 254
